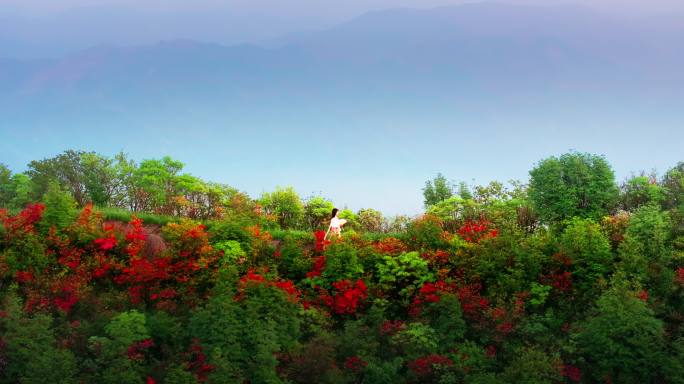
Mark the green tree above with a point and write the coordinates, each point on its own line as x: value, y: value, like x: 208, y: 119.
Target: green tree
x: 65, y: 169
x: 622, y: 338
x: 531, y: 365
x: 317, y: 211
x: 351, y: 217
x: 436, y: 190
x: 5, y: 185
x: 99, y: 176
x: 464, y: 191
x: 240, y: 337
x: 285, y: 204
x: 576, y: 184
x: 60, y: 208
x: 370, y: 220
x: 156, y: 180
x: 590, y: 251
x: 673, y: 183
x: 114, y: 366
x: 639, y: 191
x: 21, y: 190
x: 31, y: 350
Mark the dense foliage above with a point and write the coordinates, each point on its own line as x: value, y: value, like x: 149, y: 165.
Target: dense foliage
x: 485, y: 287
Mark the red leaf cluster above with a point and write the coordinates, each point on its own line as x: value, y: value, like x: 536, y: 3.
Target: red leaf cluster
x: 321, y: 242
x: 319, y: 265
x: 424, y: 366
x: 561, y: 280
x: 198, y: 362
x: 390, y: 246
x: 346, y: 299
x: 24, y: 221
x: 105, y: 243
x: 390, y: 327
x: 286, y: 286
x: 355, y: 364
x: 571, y: 372
x: 136, y: 351
x: 474, y: 231
x: 680, y: 275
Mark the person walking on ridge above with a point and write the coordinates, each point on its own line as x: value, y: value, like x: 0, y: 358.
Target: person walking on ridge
x: 335, y: 224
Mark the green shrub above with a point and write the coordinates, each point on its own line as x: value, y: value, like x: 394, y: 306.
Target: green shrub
x: 30, y: 350
x: 403, y: 275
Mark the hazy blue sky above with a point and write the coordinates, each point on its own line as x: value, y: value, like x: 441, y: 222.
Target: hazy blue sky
x: 356, y: 115
x: 34, y: 28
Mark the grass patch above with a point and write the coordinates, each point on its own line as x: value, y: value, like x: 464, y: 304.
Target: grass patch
x: 119, y: 214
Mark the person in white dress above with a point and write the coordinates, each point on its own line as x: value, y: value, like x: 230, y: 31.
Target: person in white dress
x: 335, y: 224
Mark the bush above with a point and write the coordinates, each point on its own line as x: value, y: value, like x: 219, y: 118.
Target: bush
x: 402, y: 276
x: 427, y: 232
x: 575, y: 184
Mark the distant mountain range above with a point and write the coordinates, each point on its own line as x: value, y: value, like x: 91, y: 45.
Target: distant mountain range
x: 466, y: 50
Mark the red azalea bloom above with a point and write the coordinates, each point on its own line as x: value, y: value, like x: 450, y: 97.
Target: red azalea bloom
x: 198, y: 362
x: 321, y: 243
x: 289, y: 288
x: 571, y: 372
x: 354, y: 363
x: 643, y: 295
x: 680, y: 275
x: 106, y: 243
x: 347, y: 297
x: 319, y: 265
x: 390, y: 327
x: 424, y: 366
x: 474, y: 231
x: 23, y: 276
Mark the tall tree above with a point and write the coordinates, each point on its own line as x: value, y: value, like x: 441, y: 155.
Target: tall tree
x: 5, y: 185
x: 370, y: 220
x: 575, y: 184
x: 65, y: 169
x: 673, y: 182
x: 285, y: 204
x: 316, y: 211
x: 436, y: 190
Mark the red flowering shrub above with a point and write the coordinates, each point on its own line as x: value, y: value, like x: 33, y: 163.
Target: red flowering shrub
x: 321, y: 242
x: 23, y: 276
x: 136, y: 351
x: 347, y: 297
x: 474, y: 305
x: 571, y: 372
x: 562, y: 281
x: 391, y: 327
x: 23, y: 222
x: 436, y: 258
x: 390, y: 246
x: 355, y: 364
x: 642, y: 295
x: 106, y: 243
x: 135, y: 237
x: 474, y: 231
x: 424, y: 366
x: 198, y: 362
x: 680, y: 275
x: 319, y: 265
x: 287, y: 286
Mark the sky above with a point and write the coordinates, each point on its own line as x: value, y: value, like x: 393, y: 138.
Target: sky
x: 357, y: 146
x: 35, y: 28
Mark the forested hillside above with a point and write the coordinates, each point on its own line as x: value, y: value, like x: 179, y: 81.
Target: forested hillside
x: 118, y: 271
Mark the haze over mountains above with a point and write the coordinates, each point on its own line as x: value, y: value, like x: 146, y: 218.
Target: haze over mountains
x: 455, y: 72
